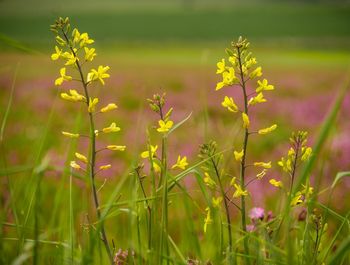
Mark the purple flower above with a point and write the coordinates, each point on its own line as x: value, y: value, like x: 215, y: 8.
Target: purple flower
x: 250, y: 228
x: 257, y: 213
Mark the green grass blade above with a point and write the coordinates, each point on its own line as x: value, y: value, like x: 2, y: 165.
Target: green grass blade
x: 177, y: 125
x: 339, y: 176
x: 342, y: 250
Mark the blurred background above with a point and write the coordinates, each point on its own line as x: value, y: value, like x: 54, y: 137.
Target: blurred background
x: 173, y: 46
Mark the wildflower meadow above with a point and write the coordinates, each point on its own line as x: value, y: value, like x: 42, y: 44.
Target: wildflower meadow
x: 174, y: 152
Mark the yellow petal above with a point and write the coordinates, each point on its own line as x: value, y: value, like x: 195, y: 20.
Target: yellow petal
x: 268, y: 129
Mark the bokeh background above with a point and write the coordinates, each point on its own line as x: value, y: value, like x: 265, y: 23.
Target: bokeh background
x: 173, y: 46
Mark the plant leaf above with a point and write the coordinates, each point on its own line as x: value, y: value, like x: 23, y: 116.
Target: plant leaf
x: 177, y: 125
x: 339, y: 176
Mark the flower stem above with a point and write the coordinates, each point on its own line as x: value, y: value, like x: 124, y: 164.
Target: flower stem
x: 297, y: 149
x: 164, y: 225
x: 92, y: 157
x: 243, y: 162
x: 228, y: 218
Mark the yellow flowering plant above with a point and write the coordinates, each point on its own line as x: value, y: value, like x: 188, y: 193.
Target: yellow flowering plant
x: 237, y: 71
x: 160, y: 173
x: 297, y: 154
x: 74, y: 52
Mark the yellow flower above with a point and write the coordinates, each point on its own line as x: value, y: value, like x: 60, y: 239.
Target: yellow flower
x: 181, y: 163
x: 238, y: 155
x: 263, y: 85
x: 239, y: 191
x: 81, y: 39
x: 98, y: 74
x: 217, y: 201
x: 286, y: 164
x: 276, y: 183
x: 209, y: 181
x: 228, y: 78
x: 92, y: 104
x: 70, y: 57
x: 257, y: 99
x: 111, y: 128
x: 256, y: 73
x: 73, y: 96
x: 96, y: 132
x: 249, y: 63
x: 207, y: 220
x: 85, y: 40
x: 164, y: 126
x: 71, y: 135
x: 267, y: 130
x: 89, y: 54
x: 229, y: 104
x: 76, y: 35
x: 81, y: 158
x: 63, y: 77
x: 260, y: 175
x: 307, y: 190
x: 109, y: 107
x: 116, y: 147
x: 233, y: 60
x: 221, y: 66
x: 56, y: 55
x: 145, y: 154
x: 74, y: 165
x: 297, y: 199
x: 291, y: 152
x: 244, y: 70
x: 246, y: 121
x: 60, y: 41
x: 105, y: 167
x: 233, y: 181
x: 156, y: 167
x: 219, y: 85
x: 263, y: 164
x: 306, y: 153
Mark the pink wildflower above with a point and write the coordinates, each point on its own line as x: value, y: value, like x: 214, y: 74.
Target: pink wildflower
x: 257, y: 213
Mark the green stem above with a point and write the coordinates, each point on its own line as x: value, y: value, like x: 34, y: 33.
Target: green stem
x: 228, y: 218
x: 92, y: 157
x: 164, y: 231
x: 243, y: 162
x: 297, y: 147
x: 148, y: 209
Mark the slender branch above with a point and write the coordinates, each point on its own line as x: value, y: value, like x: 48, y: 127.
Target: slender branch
x: 233, y: 203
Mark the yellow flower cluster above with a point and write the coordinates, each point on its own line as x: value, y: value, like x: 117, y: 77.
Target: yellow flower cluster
x: 180, y: 163
x: 239, y: 68
x: 208, y: 220
x: 302, y: 195
x: 297, y: 153
x: 72, y: 47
